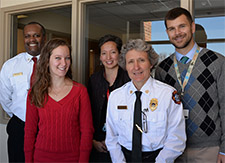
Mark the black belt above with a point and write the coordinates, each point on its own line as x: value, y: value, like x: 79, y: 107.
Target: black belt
x: 146, y: 156
x: 18, y: 120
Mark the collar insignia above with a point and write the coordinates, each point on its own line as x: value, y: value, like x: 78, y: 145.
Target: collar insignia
x: 18, y: 74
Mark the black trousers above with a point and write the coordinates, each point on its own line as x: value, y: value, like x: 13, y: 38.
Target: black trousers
x: 146, y: 156
x: 96, y: 156
x: 15, y: 130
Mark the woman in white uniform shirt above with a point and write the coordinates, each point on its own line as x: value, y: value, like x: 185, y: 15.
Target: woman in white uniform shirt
x: 163, y: 127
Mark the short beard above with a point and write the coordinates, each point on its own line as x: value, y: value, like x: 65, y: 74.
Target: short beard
x: 185, y: 45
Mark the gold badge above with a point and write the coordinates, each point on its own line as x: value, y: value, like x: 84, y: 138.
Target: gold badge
x: 153, y: 104
x: 131, y: 92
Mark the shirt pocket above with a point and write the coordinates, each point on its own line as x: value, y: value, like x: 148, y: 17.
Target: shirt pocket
x: 156, y: 123
x: 19, y: 83
x: 124, y: 123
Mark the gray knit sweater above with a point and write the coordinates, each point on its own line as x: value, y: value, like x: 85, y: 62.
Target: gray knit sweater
x: 204, y: 97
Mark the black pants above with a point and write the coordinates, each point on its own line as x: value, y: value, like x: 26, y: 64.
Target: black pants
x: 15, y: 130
x: 99, y: 156
x: 146, y: 156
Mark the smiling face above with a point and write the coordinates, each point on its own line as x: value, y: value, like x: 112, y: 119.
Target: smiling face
x: 138, y: 67
x: 180, y: 32
x: 60, y: 61
x: 33, y: 39
x: 109, y: 55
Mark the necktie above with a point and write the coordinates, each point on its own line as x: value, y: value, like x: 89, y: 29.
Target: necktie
x: 33, y: 72
x: 184, y: 59
x: 137, y: 134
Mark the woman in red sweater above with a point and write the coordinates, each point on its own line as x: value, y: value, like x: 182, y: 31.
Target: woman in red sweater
x: 58, y: 124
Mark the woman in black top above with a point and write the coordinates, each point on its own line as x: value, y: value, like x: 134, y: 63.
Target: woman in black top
x: 101, y: 83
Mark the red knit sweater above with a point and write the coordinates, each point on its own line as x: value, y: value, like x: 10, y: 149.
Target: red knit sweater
x: 60, y: 131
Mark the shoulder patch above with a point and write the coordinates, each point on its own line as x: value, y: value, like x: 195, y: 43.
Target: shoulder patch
x: 176, y: 97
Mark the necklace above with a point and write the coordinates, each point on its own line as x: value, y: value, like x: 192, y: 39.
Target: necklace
x: 56, y: 92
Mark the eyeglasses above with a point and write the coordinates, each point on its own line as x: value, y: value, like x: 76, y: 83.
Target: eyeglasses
x: 144, y: 124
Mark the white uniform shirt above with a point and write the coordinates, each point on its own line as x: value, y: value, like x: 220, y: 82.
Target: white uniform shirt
x: 166, y: 124
x: 14, y: 84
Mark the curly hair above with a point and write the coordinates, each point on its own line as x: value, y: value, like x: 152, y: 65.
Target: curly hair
x: 39, y: 90
x: 138, y: 45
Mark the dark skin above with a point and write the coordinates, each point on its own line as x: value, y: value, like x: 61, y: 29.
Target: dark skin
x: 33, y: 39
x: 100, y: 146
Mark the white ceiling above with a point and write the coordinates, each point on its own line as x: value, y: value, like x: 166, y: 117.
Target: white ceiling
x: 116, y: 13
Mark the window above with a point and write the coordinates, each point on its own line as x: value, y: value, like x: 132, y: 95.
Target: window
x: 128, y: 19
x: 215, y: 31
x: 211, y: 16
x: 60, y: 27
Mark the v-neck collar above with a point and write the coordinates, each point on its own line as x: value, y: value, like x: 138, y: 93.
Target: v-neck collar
x: 64, y: 99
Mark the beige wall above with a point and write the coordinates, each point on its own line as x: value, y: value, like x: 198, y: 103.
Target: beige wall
x: 3, y: 144
x: 8, y: 3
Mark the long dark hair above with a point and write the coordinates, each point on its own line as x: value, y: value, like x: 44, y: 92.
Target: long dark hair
x: 39, y: 90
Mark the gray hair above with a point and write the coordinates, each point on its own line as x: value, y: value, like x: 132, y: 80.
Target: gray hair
x: 138, y: 45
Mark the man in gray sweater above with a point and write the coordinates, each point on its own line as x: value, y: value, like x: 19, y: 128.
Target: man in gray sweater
x: 198, y: 74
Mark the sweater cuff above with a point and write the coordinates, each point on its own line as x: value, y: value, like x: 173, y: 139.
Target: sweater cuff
x: 29, y: 156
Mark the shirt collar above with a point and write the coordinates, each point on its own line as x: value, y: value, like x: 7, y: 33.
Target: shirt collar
x: 190, y: 54
x: 29, y: 57
x: 145, y: 88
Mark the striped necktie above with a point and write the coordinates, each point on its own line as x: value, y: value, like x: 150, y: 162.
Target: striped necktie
x: 184, y: 59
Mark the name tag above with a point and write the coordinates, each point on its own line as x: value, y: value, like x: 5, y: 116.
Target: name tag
x: 122, y: 107
x: 18, y: 74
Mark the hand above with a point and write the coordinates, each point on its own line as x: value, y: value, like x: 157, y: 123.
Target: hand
x: 100, y: 146
x: 221, y: 158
